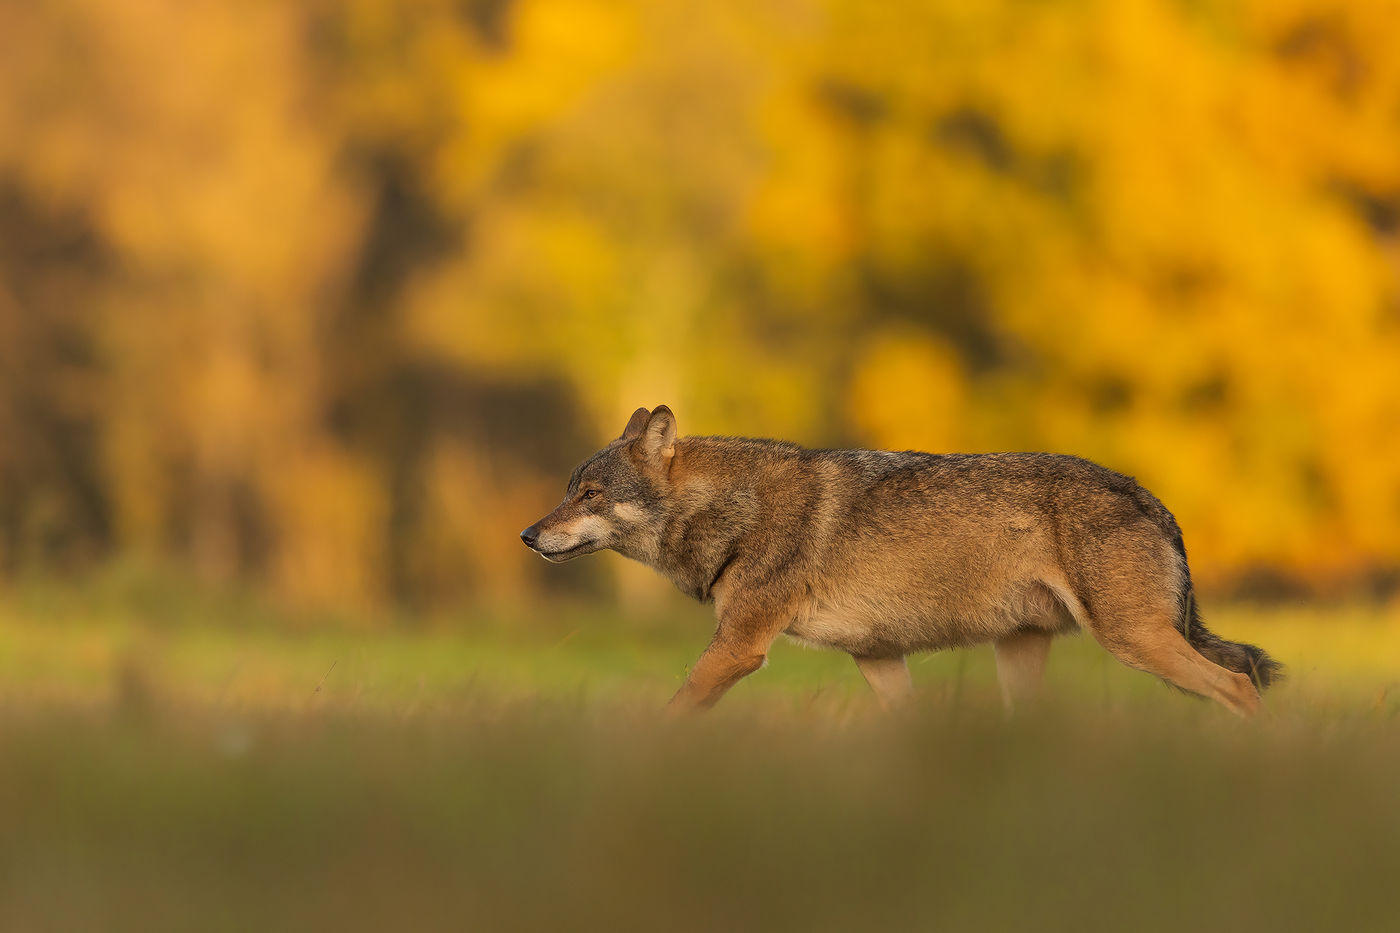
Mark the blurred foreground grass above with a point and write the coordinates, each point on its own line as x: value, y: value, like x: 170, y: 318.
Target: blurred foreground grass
x: 179, y: 759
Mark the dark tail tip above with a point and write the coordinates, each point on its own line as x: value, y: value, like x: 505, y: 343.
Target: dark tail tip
x: 1263, y: 670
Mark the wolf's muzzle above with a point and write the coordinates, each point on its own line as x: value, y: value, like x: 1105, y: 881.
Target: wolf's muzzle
x: 530, y: 536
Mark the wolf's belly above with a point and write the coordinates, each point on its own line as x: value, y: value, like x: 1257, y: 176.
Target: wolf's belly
x: 828, y: 629
x: 879, y: 635
x: 894, y: 623
x: 890, y: 640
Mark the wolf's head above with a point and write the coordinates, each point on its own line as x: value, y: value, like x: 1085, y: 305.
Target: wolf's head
x: 616, y: 498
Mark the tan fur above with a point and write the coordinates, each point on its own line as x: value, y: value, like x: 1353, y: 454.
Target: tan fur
x: 884, y: 554
x: 565, y: 536
x: 1160, y: 649
x: 627, y: 512
x: 888, y: 677
x: 1021, y: 658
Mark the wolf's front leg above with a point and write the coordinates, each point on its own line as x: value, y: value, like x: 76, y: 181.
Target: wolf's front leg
x: 747, y: 626
x: 719, y: 667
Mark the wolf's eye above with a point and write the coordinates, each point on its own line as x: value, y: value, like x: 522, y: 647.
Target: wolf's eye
x: 590, y: 493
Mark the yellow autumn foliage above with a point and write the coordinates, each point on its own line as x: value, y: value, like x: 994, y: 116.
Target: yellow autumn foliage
x: 329, y: 296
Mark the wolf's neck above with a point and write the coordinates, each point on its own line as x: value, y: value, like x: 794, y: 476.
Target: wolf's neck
x: 729, y: 493
x: 712, y: 505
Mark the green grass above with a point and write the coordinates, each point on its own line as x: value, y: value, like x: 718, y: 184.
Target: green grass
x: 186, y: 760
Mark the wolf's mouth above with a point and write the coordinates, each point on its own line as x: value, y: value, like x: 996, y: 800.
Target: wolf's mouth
x: 558, y: 557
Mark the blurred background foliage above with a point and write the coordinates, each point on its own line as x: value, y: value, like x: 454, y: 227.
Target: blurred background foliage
x: 328, y: 296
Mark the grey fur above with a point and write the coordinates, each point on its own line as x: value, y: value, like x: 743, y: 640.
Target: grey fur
x: 883, y: 554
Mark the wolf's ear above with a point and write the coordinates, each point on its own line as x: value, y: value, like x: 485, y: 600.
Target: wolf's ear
x: 659, y: 440
x: 636, y: 424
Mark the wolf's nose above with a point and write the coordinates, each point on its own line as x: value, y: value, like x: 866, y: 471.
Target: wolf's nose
x: 530, y: 536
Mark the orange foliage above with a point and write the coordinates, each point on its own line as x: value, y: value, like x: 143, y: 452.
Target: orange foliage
x: 330, y: 295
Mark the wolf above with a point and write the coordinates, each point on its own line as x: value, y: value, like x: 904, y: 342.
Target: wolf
x: 882, y: 554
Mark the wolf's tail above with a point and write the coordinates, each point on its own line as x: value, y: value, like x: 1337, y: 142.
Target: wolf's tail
x: 1231, y: 655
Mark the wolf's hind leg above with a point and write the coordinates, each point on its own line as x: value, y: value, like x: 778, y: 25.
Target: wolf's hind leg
x: 1021, y: 660
x: 888, y: 677
x: 1158, y: 648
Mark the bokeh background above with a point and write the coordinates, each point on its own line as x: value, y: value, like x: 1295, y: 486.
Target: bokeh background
x: 326, y: 298
x: 307, y: 307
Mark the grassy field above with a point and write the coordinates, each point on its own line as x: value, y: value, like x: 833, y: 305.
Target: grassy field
x: 173, y: 758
